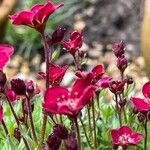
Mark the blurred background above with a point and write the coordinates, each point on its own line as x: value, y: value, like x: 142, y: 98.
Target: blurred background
x: 103, y: 22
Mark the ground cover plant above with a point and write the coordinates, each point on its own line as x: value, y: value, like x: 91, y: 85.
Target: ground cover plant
x: 76, y: 117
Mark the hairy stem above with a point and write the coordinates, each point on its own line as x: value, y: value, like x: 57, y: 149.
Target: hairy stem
x: 78, y: 134
x: 84, y: 129
x: 145, y: 138
x: 47, y: 56
x: 5, y: 128
x: 31, y: 119
x: 94, y: 126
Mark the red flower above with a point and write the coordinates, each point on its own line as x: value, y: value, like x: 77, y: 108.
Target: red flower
x: 93, y: 76
x: 125, y: 137
x: 56, y: 74
x: 36, y: 17
x: 1, y: 113
x: 143, y: 104
x: 5, y: 52
x: 59, y: 100
x: 75, y: 42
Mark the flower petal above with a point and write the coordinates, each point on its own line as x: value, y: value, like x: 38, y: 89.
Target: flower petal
x: 136, y: 138
x: 141, y: 104
x: 115, y: 136
x: 22, y: 18
x: 146, y: 90
x: 124, y: 129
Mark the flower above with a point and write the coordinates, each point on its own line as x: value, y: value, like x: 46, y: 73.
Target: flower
x: 75, y: 42
x: 56, y: 74
x: 1, y: 113
x: 94, y: 75
x: 36, y: 17
x: 124, y: 136
x: 59, y: 100
x: 143, y: 104
x: 11, y: 95
x: 6, y: 52
x: 30, y: 87
x: 119, y: 48
x: 18, y: 86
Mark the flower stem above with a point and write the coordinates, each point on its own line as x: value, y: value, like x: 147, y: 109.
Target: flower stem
x: 47, y: 56
x: 31, y: 119
x: 94, y: 126
x: 78, y: 134
x: 145, y: 138
x: 5, y: 128
x: 118, y: 110
x: 84, y: 129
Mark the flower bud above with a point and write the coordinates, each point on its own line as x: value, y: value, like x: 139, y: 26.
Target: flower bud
x: 2, y: 78
x: 18, y: 86
x: 141, y: 117
x: 129, y: 80
x: 17, y: 134
x: 30, y: 87
x: 71, y: 141
x: 60, y: 131
x: 58, y: 35
x: 118, y: 48
x: 122, y: 102
x: 53, y: 142
x: 122, y: 63
x: 11, y: 95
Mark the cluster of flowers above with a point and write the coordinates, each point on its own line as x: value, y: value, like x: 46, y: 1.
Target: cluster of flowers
x: 59, y: 100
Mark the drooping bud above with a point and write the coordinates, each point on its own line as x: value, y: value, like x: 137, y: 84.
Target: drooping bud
x: 141, y: 117
x: 18, y: 86
x: 17, y: 134
x: 129, y: 80
x: 60, y: 131
x: 58, y: 35
x: 2, y: 78
x: 119, y: 48
x: 122, y: 63
x: 71, y: 141
x: 53, y: 142
x: 122, y: 102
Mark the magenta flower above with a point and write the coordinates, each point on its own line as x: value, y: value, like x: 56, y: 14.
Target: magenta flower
x: 124, y: 136
x: 143, y: 104
x: 36, y: 17
x: 1, y: 113
x: 75, y: 42
x: 94, y: 75
x: 6, y: 52
x: 59, y: 100
x: 56, y: 74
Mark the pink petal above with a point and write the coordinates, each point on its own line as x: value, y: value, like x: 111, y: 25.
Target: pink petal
x: 141, y: 104
x: 42, y: 75
x: 1, y: 113
x: 22, y: 18
x: 11, y: 95
x: 79, y: 86
x: 36, y: 8
x: 98, y: 70
x: 7, y: 48
x: 124, y: 130
x: 103, y: 82
x: 115, y: 136
x: 146, y: 90
x: 4, y: 59
x: 137, y: 137
x: 86, y: 97
x: 44, y: 12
